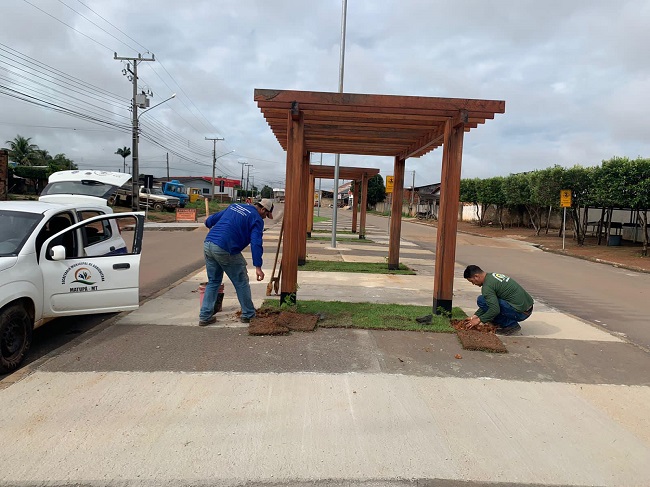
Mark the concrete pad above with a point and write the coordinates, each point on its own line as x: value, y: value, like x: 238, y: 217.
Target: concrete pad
x: 164, y: 427
x: 564, y: 327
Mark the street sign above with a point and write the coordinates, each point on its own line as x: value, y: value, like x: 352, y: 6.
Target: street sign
x: 565, y: 198
x: 390, y: 180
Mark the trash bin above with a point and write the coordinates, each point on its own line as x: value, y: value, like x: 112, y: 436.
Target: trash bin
x: 218, y: 305
x: 614, y: 240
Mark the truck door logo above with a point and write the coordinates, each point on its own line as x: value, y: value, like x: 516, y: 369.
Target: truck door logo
x: 82, y: 275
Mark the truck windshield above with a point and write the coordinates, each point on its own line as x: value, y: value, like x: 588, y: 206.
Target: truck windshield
x: 84, y: 187
x: 15, y: 229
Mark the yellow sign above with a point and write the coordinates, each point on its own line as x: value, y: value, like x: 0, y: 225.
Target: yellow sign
x: 389, y: 183
x: 565, y: 198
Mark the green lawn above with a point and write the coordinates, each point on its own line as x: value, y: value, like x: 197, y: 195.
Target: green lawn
x: 321, y: 219
x: 373, y: 316
x: 356, y: 267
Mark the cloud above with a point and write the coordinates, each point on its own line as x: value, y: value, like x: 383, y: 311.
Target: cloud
x: 573, y: 74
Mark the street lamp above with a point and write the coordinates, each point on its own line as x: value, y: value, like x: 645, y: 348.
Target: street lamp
x: 214, y: 164
x: 135, y: 179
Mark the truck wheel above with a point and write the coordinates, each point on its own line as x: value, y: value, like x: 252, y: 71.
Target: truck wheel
x: 158, y: 207
x: 15, y: 337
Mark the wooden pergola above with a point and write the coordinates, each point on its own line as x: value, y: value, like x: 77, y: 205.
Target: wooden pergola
x: 360, y: 176
x: 376, y: 125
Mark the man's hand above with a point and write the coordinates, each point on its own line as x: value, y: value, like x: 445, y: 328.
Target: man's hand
x: 474, y: 321
x: 260, y: 273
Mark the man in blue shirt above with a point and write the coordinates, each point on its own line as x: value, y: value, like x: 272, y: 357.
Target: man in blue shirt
x: 231, y: 231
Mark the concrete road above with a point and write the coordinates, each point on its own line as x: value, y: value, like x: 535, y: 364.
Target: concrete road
x: 614, y: 298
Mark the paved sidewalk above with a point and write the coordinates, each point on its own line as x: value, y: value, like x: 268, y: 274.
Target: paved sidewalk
x: 157, y: 400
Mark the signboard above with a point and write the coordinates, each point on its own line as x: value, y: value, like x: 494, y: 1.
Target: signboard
x: 565, y: 198
x: 390, y: 180
x: 186, y: 214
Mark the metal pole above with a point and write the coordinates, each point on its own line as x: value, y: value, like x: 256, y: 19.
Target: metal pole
x: 167, y: 166
x: 214, y: 159
x: 337, y: 157
x: 564, y: 228
x: 412, y: 192
x: 241, y: 182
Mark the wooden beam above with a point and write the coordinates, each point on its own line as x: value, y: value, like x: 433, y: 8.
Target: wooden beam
x: 310, y: 216
x: 292, y: 230
x: 396, y: 214
x: 355, y: 203
x: 443, y: 283
x: 304, y: 200
x: 364, y: 203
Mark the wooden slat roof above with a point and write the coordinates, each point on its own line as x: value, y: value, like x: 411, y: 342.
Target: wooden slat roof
x: 380, y: 125
x: 345, y: 172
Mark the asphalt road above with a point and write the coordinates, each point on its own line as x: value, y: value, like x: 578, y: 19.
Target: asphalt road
x: 614, y: 298
x: 166, y: 258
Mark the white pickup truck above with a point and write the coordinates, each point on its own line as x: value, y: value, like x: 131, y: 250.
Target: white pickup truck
x: 66, y: 254
x: 152, y: 198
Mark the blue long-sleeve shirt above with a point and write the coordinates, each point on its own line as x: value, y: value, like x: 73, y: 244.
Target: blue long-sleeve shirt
x: 235, y: 228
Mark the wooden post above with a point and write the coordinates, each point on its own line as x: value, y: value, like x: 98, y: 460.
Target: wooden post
x: 292, y: 229
x: 310, y: 208
x: 304, y: 208
x: 364, y: 204
x: 396, y: 214
x: 355, y: 204
x: 443, y: 283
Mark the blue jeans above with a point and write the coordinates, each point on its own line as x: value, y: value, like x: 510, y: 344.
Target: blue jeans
x: 508, y: 316
x: 218, y: 261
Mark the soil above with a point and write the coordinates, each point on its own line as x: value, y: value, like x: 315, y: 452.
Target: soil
x: 276, y: 322
x: 627, y: 255
x: 481, y: 337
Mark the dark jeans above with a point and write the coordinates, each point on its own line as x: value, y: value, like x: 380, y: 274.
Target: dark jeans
x: 508, y: 316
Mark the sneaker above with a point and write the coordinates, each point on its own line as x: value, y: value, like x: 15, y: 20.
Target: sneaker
x: 424, y: 319
x: 508, y: 330
x: 209, y: 321
x: 246, y: 320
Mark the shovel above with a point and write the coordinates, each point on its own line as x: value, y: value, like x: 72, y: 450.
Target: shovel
x: 274, y: 283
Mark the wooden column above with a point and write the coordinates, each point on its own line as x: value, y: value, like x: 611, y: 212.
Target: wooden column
x: 292, y: 229
x: 310, y: 209
x: 396, y: 214
x: 304, y: 208
x: 355, y: 200
x: 364, y: 204
x: 452, y: 156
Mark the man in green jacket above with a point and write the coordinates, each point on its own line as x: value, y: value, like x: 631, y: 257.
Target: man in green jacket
x: 502, y: 301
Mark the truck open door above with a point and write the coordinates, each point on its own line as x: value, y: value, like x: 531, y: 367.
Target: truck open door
x: 76, y: 283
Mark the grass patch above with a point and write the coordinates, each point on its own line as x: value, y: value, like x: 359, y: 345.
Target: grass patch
x: 343, y: 239
x: 367, y: 267
x: 338, y: 232
x: 373, y: 316
x: 321, y: 219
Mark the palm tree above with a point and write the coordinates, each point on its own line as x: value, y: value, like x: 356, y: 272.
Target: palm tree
x: 22, y: 152
x: 124, y: 152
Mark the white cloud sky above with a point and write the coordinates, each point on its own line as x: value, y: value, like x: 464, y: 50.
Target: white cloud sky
x: 574, y: 76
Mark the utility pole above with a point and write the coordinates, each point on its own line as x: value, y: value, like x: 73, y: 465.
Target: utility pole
x: 167, y: 166
x: 214, y: 159
x: 248, y: 172
x: 135, y: 176
x: 241, y: 182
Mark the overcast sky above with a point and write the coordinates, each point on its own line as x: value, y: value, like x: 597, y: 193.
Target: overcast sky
x: 574, y: 75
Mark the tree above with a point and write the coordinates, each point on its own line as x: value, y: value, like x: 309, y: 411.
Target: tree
x: 124, y: 152
x: 376, y: 190
x: 61, y: 163
x: 490, y: 192
x: 267, y: 191
x: 22, y: 152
